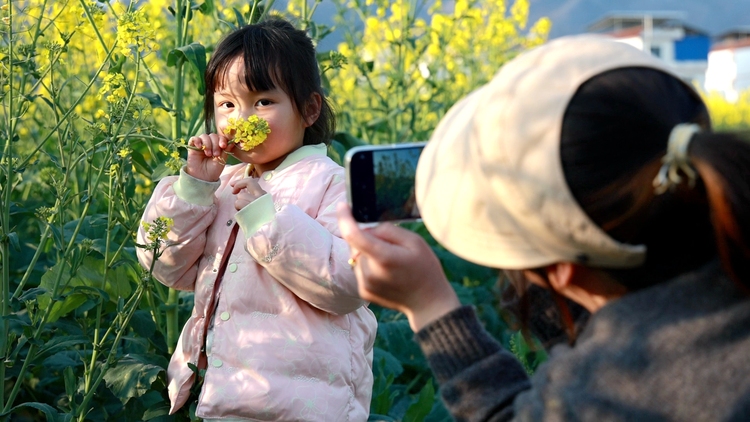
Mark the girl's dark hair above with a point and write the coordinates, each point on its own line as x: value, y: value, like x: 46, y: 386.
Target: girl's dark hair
x: 614, y: 135
x: 275, y: 54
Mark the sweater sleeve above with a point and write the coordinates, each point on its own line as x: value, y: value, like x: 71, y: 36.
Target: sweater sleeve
x: 478, y: 379
x: 306, y: 254
x: 189, y: 202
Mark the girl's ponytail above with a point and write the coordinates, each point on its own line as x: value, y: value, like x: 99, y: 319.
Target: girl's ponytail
x: 723, y: 162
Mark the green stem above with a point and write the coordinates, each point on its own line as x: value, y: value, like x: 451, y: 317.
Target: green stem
x: 173, y: 330
x: 97, y: 326
x: 177, y: 106
x: 93, y: 25
x: 8, y: 187
x: 32, y: 264
x: 123, y: 326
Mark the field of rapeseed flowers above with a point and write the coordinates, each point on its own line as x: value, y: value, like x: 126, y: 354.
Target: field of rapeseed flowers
x: 97, y: 100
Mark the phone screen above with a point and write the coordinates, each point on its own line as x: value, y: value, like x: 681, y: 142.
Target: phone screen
x: 381, y: 182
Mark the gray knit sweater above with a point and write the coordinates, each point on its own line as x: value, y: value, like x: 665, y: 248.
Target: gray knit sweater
x: 678, y: 351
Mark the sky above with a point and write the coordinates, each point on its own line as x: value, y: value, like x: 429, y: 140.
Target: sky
x: 574, y: 16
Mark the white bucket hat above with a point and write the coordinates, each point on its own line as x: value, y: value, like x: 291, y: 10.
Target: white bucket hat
x: 490, y: 183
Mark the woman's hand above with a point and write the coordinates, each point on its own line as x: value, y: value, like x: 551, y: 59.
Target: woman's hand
x: 209, y: 157
x: 397, y: 269
x: 247, y: 191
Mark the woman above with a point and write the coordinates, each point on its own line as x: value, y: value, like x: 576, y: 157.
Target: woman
x: 587, y: 167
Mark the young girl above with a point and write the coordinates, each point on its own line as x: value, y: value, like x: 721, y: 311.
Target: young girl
x: 277, y: 324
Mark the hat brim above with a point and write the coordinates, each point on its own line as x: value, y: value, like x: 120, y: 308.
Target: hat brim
x: 490, y: 184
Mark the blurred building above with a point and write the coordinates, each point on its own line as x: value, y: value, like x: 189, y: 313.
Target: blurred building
x: 729, y: 63
x: 665, y: 35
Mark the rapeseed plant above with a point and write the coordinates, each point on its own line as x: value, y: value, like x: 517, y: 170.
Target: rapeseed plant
x: 248, y: 133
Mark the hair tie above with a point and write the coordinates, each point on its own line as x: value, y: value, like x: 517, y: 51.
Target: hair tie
x: 676, y: 159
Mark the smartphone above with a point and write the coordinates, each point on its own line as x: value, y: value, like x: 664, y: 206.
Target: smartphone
x: 380, y: 182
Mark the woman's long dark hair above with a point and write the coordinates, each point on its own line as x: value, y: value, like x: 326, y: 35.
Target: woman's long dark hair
x: 614, y: 135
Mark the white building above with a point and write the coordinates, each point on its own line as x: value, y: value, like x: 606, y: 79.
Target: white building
x: 663, y: 34
x: 729, y: 64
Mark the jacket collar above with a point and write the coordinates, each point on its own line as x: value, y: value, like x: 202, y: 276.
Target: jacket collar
x: 295, y: 156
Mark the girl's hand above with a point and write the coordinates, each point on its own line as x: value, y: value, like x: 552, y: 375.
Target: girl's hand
x: 397, y: 269
x: 210, y: 156
x: 247, y: 191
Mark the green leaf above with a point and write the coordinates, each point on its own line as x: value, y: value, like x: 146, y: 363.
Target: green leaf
x: 139, y: 162
x: 155, y: 100
x: 65, y: 359
x: 60, y: 307
x: 157, y: 413
x: 93, y: 227
x: 398, y: 338
x: 31, y: 294
x: 207, y: 7
x: 59, y: 343
x: 49, y: 412
x: 132, y: 377
x: 239, y: 17
x: 382, y: 394
x: 161, y: 171
x: 195, y: 54
x: 419, y: 410
x: 91, y: 274
x: 70, y: 382
x: 143, y: 324
x: 13, y: 238
x: 380, y: 418
x: 348, y: 140
x: 386, y: 363
x: 456, y: 269
x: 336, y: 152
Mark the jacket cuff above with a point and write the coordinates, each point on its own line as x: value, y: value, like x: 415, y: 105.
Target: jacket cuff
x: 454, y: 342
x: 255, y: 214
x: 194, y: 190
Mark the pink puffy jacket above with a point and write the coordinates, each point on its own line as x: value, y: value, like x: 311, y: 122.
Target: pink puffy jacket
x: 291, y: 338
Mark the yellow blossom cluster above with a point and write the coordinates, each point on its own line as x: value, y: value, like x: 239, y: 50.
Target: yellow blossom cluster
x: 404, y: 70
x: 729, y: 115
x: 125, y: 152
x: 135, y: 33
x: 114, y: 87
x: 158, y: 229
x: 248, y: 133
x: 174, y: 162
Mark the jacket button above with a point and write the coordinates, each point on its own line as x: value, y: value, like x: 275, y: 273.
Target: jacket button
x: 267, y: 176
x: 233, y: 267
x: 229, y: 223
x: 224, y: 316
x: 216, y: 362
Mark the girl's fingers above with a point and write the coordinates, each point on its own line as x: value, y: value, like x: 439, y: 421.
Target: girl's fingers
x: 212, y: 144
x: 240, y: 184
x: 249, y: 185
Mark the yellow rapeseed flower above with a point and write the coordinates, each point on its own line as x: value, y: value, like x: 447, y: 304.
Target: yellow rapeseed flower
x: 124, y: 152
x: 158, y: 230
x: 248, y: 133
x: 114, y: 84
x: 134, y: 32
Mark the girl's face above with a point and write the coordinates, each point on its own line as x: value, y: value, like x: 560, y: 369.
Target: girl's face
x: 233, y: 99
